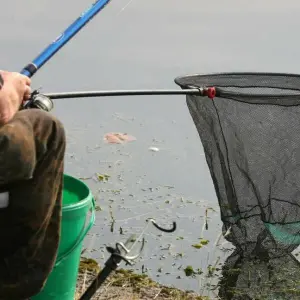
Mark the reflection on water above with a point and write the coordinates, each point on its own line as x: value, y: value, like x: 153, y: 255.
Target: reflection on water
x: 265, y: 279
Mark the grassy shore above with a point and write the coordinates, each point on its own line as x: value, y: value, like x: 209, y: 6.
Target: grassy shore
x: 126, y: 285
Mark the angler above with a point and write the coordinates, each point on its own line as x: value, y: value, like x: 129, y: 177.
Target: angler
x: 32, y: 145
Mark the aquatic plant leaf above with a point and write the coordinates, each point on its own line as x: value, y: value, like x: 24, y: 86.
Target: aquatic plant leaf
x: 102, y: 177
x: 197, y: 246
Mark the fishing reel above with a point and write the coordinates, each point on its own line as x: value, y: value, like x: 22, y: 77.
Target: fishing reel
x: 39, y: 101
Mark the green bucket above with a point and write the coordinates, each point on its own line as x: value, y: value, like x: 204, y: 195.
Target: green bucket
x: 77, y: 201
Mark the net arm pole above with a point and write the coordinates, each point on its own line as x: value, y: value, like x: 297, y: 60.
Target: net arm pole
x: 86, y: 94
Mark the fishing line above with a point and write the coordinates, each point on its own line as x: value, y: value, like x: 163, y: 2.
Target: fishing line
x: 140, y: 236
x: 122, y: 9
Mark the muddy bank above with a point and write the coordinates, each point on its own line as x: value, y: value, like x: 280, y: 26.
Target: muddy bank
x: 126, y: 285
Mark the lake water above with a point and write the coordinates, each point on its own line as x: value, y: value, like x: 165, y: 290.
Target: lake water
x: 139, y: 45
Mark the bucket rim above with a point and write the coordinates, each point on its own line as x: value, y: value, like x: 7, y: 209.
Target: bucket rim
x: 82, y: 203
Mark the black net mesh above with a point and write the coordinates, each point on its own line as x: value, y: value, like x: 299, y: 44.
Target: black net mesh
x: 251, y: 139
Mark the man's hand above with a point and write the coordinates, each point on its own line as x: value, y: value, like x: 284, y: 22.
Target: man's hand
x: 15, y: 90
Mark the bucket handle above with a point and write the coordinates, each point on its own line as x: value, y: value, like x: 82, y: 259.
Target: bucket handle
x: 81, y: 236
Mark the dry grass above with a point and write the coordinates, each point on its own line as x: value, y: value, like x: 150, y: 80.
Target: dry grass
x: 126, y: 285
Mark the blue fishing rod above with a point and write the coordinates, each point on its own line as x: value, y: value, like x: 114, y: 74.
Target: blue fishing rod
x: 38, y: 100
x: 44, y: 102
x: 63, y: 38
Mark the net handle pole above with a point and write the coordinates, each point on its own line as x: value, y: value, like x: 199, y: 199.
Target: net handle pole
x: 87, y: 94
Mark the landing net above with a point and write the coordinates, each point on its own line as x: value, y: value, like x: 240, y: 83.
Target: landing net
x: 250, y: 131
